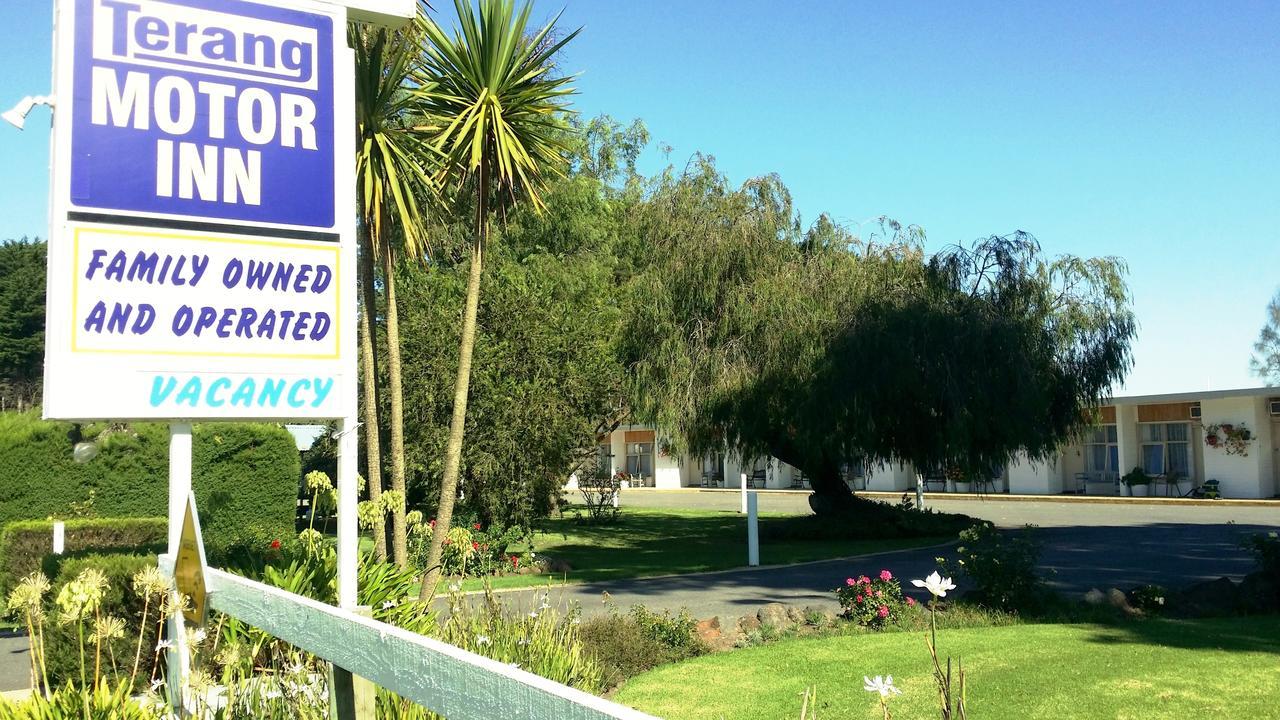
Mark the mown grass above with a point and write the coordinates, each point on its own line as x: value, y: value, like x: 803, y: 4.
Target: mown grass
x: 1219, y: 668
x: 649, y: 542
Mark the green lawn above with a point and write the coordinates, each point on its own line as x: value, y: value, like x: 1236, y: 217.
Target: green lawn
x: 1222, y: 668
x: 661, y: 542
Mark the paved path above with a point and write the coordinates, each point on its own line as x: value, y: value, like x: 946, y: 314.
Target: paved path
x: 1086, y: 546
x: 15, y: 664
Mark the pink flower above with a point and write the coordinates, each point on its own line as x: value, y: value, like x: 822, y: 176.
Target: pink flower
x: 849, y: 582
x: 879, y: 594
x: 886, y: 575
x: 864, y: 580
x: 911, y: 602
x: 883, y: 611
x: 859, y: 598
x: 476, y: 526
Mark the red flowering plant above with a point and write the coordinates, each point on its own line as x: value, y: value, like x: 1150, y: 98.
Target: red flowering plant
x: 872, y: 601
x: 471, y: 549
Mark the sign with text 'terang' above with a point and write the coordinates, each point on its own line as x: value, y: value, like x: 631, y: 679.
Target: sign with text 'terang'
x: 201, y: 262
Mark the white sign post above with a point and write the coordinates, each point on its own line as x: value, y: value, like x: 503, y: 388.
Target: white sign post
x: 753, y: 529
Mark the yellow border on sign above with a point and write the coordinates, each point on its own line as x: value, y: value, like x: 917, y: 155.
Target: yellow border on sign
x: 75, y: 290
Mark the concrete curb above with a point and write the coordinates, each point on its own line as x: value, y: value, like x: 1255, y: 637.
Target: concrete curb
x: 995, y: 497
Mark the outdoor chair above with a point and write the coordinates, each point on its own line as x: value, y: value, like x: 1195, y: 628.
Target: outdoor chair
x: 984, y: 485
x: 757, y: 479
x: 1172, y: 484
x: 1082, y: 483
x: 798, y: 481
x: 941, y: 482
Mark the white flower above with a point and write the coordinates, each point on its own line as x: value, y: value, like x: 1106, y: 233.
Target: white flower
x: 882, y: 685
x: 199, y: 636
x: 935, y: 584
x: 388, y: 604
x: 164, y: 645
x: 455, y: 587
x: 533, y: 613
x: 482, y: 640
x: 1159, y: 601
x: 522, y: 641
x: 156, y: 685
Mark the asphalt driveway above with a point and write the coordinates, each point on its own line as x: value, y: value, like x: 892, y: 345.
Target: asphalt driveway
x: 1086, y: 546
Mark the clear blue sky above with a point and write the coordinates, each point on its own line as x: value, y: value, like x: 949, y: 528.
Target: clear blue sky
x: 1104, y: 129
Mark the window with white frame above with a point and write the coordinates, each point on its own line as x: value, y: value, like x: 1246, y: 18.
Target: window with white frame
x: 1102, y: 453
x: 640, y: 459
x: 1166, y: 449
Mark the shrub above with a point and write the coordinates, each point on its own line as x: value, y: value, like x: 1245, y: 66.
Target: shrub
x: 627, y: 645
x: 1001, y: 567
x: 1149, y: 598
x: 471, y: 550
x: 27, y: 546
x: 866, y: 519
x: 1266, y: 550
x: 873, y: 602
x: 247, y: 475
x: 108, y: 702
x: 121, y: 600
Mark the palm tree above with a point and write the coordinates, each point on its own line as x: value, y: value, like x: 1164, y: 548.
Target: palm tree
x: 392, y: 161
x: 500, y: 117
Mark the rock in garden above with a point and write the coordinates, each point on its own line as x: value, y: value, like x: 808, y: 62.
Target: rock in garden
x: 774, y: 615
x: 748, y: 624
x: 1207, y: 599
x: 1120, y: 601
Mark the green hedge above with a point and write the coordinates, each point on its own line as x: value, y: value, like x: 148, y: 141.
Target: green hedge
x: 245, y: 475
x: 27, y: 545
x: 62, y: 645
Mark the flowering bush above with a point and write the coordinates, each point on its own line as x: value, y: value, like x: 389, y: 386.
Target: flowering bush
x: 872, y: 602
x: 1149, y: 598
x: 470, y: 549
x: 1234, y: 439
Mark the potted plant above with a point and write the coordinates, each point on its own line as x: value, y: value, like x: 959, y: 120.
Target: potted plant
x: 1125, y: 490
x: 955, y: 476
x: 1139, y: 482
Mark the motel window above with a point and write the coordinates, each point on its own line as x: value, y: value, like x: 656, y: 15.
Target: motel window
x: 713, y: 468
x: 1102, y: 452
x: 604, y: 460
x: 640, y: 459
x: 1166, y: 449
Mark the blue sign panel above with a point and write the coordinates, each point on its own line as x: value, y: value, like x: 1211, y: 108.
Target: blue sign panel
x: 203, y: 109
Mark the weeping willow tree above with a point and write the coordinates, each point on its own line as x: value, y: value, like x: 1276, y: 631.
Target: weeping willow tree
x: 816, y: 348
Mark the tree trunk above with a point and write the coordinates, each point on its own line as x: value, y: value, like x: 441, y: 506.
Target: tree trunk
x: 831, y: 494
x: 399, y: 539
x: 369, y: 376
x: 461, y: 387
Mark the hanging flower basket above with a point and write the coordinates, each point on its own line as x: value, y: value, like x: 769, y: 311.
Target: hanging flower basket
x: 1231, y: 438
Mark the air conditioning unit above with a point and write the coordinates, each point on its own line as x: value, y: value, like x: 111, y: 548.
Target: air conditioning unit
x: 1274, y: 403
x: 1195, y: 411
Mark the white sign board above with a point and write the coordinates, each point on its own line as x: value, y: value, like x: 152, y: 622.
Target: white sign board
x: 202, y: 250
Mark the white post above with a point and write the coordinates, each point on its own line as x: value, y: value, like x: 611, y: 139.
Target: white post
x: 179, y: 491
x: 753, y: 530
x: 348, y: 499
x: 59, y: 537
x: 919, y: 491
x: 742, y: 492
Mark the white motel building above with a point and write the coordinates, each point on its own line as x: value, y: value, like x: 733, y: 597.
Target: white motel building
x: 1165, y: 435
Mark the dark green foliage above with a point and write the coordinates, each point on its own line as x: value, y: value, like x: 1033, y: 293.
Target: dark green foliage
x: 61, y: 642
x: 26, y: 546
x: 22, y: 290
x: 1000, y: 568
x: 819, y: 347
x: 245, y: 476
x: 866, y: 520
x: 626, y: 645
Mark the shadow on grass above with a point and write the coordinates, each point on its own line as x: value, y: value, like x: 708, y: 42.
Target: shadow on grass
x: 1255, y: 633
